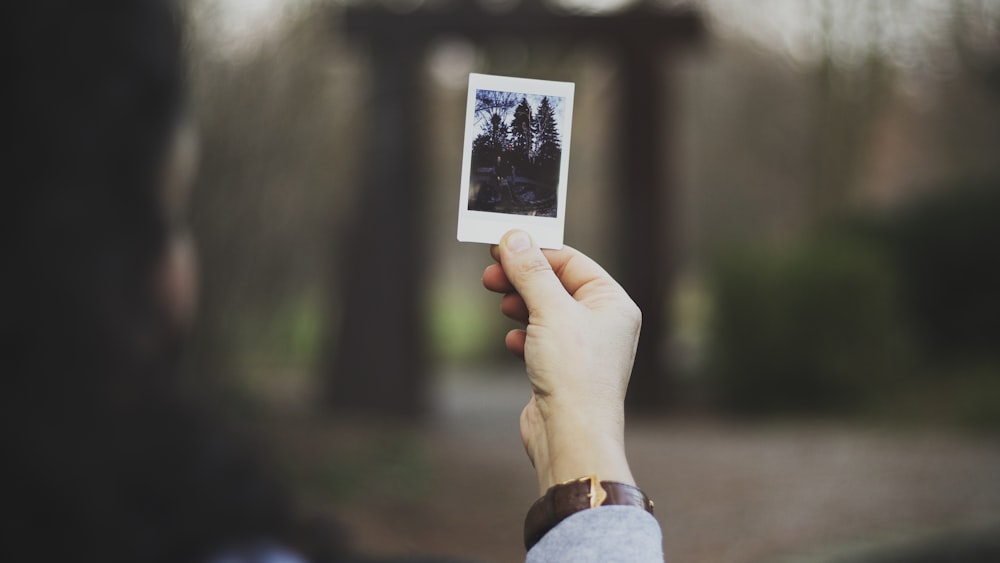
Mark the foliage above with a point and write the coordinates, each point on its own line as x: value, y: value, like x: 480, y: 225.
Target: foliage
x: 944, y: 251
x: 814, y: 327
x: 903, y: 308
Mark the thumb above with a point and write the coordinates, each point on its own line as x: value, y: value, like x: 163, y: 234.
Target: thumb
x: 529, y: 271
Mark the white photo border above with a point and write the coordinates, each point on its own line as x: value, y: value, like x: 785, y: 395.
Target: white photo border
x: 487, y: 226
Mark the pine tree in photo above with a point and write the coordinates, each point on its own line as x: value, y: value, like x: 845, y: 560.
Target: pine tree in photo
x: 491, y: 142
x: 482, y: 151
x: 497, y: 132
x: 549, y: 147
x: 521, y: 136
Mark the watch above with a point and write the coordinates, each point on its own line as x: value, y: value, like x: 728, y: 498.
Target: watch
x: 564, y: 499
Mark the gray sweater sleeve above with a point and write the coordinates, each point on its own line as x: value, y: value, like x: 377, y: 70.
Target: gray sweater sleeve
x: 606, y: 534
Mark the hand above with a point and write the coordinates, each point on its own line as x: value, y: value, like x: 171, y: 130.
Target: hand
x: 578, y: 345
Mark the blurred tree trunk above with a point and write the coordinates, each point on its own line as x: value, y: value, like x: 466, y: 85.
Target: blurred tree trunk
x: 379, y: 362
x: 647, y: 265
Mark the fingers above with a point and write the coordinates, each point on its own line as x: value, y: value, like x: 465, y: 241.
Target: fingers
x: 535, y: 283
x: 494, y: 279
x: 515, y: 342
x: 573, y: 269
x: 528, y: 270
x: 576, y: 270
x: 513, y: 307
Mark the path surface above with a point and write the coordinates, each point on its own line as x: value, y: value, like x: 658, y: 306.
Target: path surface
x: 724, y: 492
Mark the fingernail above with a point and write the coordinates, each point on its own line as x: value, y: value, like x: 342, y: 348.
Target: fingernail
x: 518, y: 241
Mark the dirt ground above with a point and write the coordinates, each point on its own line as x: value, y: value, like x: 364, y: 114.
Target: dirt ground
x: 458, y: 486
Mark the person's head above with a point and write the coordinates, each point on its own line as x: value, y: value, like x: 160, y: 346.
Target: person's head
x: 105, y: 458
x: 95, y: 97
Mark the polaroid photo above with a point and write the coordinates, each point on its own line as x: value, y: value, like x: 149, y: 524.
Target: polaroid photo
x: 515, y: 159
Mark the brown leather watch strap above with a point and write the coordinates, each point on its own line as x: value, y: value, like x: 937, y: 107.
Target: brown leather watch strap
x: 562, y: 500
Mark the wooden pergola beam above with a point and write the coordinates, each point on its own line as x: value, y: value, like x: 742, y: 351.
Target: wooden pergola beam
x: 380, y: 361
x: 654, y: 28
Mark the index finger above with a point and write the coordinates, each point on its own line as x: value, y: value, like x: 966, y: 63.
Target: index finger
x: 494, y: 279
x: 575, y: 269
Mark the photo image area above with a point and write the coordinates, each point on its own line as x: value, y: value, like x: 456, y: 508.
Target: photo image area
x: 516, y: 153
x: 515, y: 159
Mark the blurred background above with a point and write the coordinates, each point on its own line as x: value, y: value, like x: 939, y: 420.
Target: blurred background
x: 803, y: 195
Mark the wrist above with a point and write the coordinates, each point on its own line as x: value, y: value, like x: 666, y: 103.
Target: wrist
x: 562, y: 500
x: 577, y: 444
x: 606, y: 460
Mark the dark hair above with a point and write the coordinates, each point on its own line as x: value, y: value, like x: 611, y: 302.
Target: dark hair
x: 95, y: 93
x: 104, y: 458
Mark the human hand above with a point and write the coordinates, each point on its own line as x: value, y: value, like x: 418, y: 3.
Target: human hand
x: 578, y: 345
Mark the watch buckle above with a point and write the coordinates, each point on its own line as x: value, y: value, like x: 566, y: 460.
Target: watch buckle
x: 597, y: 494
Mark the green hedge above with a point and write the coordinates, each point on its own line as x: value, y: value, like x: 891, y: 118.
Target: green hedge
x: 869, y: 315
x: 813, y: 327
